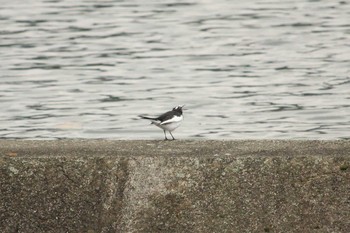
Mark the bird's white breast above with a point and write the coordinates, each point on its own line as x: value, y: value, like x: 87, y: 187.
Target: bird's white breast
x: 171, y: 124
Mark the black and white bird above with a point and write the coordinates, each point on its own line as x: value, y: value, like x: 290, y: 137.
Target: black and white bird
x: 168, y: 121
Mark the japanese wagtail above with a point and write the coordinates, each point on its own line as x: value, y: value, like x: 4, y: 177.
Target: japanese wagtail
x: 168, y: 121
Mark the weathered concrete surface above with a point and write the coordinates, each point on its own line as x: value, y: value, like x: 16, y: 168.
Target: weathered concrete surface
x: 174, y: 186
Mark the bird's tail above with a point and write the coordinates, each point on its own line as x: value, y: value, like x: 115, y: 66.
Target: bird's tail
x: 148, y: 118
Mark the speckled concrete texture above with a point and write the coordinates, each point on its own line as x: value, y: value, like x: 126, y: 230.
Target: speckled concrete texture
x: 174, y: 186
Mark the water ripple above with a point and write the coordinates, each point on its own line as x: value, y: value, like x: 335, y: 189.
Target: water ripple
x: 258, y: 69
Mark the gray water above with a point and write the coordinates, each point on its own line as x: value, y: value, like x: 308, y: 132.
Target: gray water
x: 244, y: 69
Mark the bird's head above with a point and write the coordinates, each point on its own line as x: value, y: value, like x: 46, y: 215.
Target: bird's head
x: 179, y: 108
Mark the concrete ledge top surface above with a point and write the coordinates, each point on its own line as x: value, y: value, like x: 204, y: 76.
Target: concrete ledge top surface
x: 187, y: 148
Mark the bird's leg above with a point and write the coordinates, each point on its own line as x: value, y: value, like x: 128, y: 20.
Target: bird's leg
x: 172, y: 135
x: 165, y: 135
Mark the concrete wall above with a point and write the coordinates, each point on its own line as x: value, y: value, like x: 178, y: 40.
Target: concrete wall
x: 174, y: 186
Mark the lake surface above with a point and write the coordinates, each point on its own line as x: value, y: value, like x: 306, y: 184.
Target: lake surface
x: 244, y: 69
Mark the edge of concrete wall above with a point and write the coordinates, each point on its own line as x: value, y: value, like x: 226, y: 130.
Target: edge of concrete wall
x: 174, y: 186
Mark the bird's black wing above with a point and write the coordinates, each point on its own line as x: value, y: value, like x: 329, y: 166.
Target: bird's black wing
x: 166, y: 116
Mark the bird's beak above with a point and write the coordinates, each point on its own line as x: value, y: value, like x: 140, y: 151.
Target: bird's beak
x: 183, y: 107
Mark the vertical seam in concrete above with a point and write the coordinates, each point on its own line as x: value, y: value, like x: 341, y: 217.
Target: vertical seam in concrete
x: 116, y: 198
